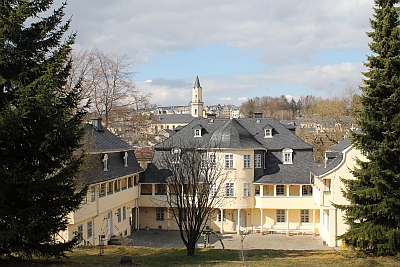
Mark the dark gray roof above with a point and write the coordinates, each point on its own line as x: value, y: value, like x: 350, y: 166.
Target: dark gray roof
x: 153, y: 175
x: 333, y: 157
x: 103, y: 141
x: 197, y: 83
x: 278, y: 173
x: 93, y: 168
x: 236, y: 134
x: 173, y: 118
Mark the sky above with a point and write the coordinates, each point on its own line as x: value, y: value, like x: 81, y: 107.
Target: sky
x: 239, y: 49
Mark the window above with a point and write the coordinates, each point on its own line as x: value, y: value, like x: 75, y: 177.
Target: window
x: 212, y: 160
x: 89, y: 229
x: 280, y: 216
x: 119, y: 214
x: 176, y: 153
x: 92, y: 194
x: 183, y: 215
x: 124, y: 213
x: 219, y: 217
x: 246, y: 161
x: 126, y: 159
x: 267, y: 133
x: 160, y: 214
x: 79, y: 233
x: 257, y: 161
x: 246, y: 189
x: 229, y: 189
x: 304, y: 216
x: 213, y: 190
x: 160, y: 189
x: 280, y: 189
x: 287, y: 156
x: 306, y: 190
x: 229, y: 161
x: 105, y: 161
x: 197, y: 132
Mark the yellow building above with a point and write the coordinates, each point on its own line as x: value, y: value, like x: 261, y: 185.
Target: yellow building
x: 268, y: 188
x: 112, y: 173
x: 327, y: 189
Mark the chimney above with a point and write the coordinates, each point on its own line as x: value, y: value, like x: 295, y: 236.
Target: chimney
x: 211, y: 117
x: 96, y: 122
x: 258, y: 115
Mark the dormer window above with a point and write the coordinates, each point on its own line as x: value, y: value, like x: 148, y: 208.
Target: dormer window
x: 197, y: 130
x: 105, y: 162
x: 268, y: 131
x: 197, y: 133
x: 287, y: 156
x: 126, y: 159
x: 176, y: 154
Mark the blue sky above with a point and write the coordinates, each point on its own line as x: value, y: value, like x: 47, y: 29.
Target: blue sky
x: 239, y: 49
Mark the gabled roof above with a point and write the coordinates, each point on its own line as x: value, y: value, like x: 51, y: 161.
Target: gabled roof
x: 236, y: 134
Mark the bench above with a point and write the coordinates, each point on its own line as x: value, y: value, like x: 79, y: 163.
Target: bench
x: 257, y: 228
x: 278, y: 228
x: 304, y: 229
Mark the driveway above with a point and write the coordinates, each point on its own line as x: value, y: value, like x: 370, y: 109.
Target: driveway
x: 171, y: 239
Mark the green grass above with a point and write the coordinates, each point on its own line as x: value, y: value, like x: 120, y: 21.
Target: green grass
x: 144, y: 257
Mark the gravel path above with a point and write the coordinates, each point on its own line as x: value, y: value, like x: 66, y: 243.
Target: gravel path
x: 171, y: 239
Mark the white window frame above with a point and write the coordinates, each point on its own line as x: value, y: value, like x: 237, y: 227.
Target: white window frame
x: 257, y: 161
x: 176, y: 154
x: 213, y: 190
x: 105, y: 161
x: 287, y: 156
x: 160, y: 214
x: 246, y: 189
x: 197, y: 132
x: 280, y: 216
x: 229, y: 189
x: 267, y: 133
x: 229, y: 161
x: 304, y: 216
x: 246, y: 161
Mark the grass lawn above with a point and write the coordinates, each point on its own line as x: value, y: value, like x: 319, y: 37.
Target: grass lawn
x: 146, y: 257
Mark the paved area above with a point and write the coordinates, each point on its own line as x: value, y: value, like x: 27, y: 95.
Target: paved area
x: 171, y: 239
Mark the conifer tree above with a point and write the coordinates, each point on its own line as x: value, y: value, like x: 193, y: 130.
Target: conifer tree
x: 40, y: 130
x: 374, y: 210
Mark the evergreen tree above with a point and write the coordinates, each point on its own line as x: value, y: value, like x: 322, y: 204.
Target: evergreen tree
x: 374, y: 210
x: 40, y: 130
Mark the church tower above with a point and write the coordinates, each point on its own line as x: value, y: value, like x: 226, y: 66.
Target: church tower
x: 197, y: 99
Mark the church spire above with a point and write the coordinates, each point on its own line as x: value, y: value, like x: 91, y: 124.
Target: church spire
x: 197, y: 82
x: 197, y: 99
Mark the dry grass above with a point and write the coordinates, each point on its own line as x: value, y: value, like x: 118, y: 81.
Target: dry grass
x: 144, y: 257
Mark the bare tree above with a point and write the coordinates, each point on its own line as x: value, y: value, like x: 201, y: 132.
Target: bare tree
x: 107, y: 80
x: 195, y: 182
